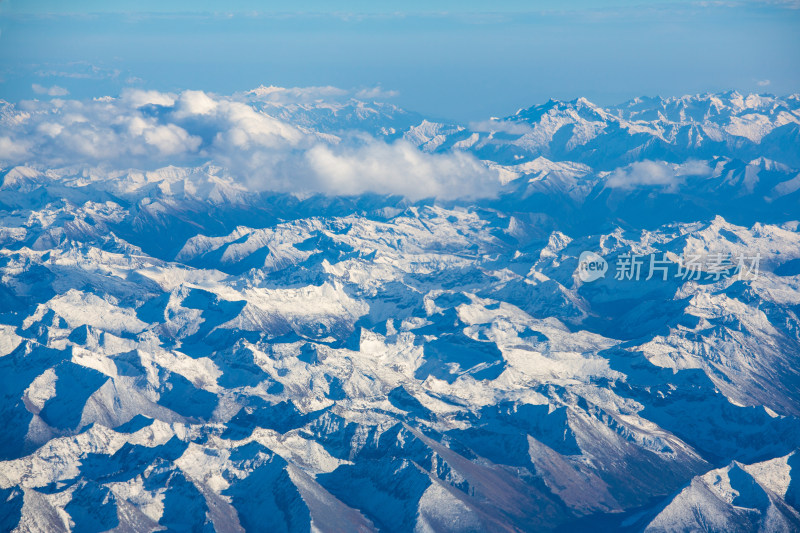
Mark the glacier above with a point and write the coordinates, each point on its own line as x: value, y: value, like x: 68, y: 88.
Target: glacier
x: 298, y: 310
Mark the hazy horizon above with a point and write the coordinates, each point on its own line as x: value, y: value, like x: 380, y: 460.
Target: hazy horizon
x: 450, y: 60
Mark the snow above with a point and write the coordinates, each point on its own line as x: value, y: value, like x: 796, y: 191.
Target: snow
x: 8, y: 340
x: 176, y: 334
x: 79, y: 309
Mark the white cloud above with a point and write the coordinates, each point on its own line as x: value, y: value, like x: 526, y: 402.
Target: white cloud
x: 261, y: 151
x: 51, y: 129
x: 139, y: 98
x: 55, y: 90
x: 787, y: 4
x: 655, y: 174
x: 505, y: 126
x: 194, y: 103
x: 763, y: 83
x: 376, y: 93
x: 693, y: 168
x: 171, y: 139
x: 242, y: 127
x: 11, y: 149
x: 399, y: 168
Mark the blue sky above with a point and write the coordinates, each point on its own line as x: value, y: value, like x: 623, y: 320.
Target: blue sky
x: 318, y: 6
x: 448, y: 59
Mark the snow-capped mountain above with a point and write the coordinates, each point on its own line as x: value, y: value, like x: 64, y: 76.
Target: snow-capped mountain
x: 249, y: 313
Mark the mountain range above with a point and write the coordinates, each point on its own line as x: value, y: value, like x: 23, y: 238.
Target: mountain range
x: 293, y: 310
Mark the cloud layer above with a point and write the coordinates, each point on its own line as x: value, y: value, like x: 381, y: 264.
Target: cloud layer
x: 151, y: 129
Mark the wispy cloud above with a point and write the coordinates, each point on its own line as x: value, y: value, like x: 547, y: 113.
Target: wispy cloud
x: 55, y: 90
x: 376, y: 93
x: 787, y: 4
x: 505, y: 126
x: 655, y: 174
x: 763, y: 83
x: 80, y: 70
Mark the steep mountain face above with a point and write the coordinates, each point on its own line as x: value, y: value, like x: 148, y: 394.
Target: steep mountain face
x: 734, y: 498
x: 181, y: 350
